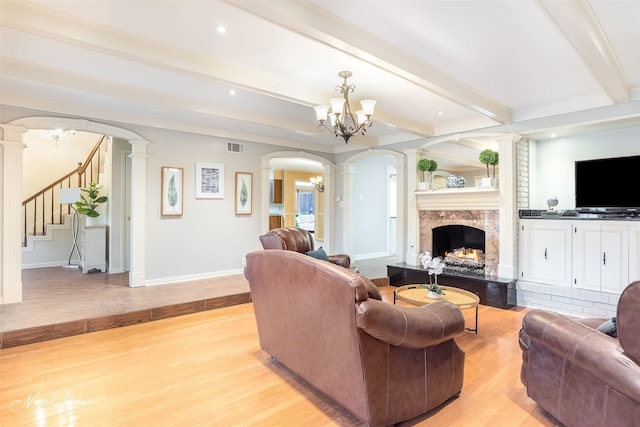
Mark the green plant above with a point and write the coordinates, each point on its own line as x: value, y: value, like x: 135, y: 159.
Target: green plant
x: 87, y: 204
x: 489, y: 157
x: 426, y: 165
x: 434, y: 287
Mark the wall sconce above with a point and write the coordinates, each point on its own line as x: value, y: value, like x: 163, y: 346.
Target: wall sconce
x: 317, y: 184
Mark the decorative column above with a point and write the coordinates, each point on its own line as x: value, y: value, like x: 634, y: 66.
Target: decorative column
x: 413, y: 215
x: 347, y: 213
x: 11, y: 196
x: 508, y: 208
x: 401, y: 190
x: 138, y: 156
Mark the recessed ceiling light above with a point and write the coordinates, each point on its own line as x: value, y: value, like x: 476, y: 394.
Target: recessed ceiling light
x: 221, y: 29
x: 553, y: 135
x: 440, y: 113
x: 232, y: 91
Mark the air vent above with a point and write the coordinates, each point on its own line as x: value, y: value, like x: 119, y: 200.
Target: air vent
x: 235, y: 147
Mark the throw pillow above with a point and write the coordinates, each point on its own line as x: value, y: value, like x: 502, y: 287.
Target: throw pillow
x: 609, y: 327
x: 319, y: 254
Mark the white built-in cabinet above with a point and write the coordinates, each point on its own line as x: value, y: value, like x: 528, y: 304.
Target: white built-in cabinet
x: 602, y: 256
x: 545, y: 252
x: 634, y: 252
x: 93, y: 247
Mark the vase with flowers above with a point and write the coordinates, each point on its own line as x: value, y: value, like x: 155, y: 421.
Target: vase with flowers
x: 434, y: 266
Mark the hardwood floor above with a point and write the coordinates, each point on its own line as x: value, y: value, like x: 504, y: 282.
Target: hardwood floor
x: 60, y: 302
x: 207, y: 369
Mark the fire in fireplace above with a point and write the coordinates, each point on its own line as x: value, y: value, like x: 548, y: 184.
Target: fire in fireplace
x: 472, y: 258
x: 460, y: 246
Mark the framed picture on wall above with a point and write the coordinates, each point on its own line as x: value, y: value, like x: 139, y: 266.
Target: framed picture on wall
x: 209, y: 181
x: 244, y: 193
x: 172, y: 186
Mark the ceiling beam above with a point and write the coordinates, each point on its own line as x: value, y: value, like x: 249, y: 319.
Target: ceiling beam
x: 576, y: 21
x: 317, y: 24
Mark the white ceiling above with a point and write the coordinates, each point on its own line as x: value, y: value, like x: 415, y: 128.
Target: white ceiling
x: 522, y: 65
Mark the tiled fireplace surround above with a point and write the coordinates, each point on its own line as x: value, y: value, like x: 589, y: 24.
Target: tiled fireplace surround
x: 486, y: 220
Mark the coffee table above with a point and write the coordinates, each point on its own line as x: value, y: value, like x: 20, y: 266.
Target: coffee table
x: 417, y: 295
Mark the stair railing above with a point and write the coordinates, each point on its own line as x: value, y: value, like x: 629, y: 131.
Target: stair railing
x: 44, y: 208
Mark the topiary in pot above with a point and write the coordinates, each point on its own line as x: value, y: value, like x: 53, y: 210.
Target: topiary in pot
x: 426, y: 165
x: 489, y: 157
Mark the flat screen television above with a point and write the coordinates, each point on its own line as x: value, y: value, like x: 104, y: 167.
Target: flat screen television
x: 608, y: 185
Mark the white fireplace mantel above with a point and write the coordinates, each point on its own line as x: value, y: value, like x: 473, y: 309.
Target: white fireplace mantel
x: 471, y: 198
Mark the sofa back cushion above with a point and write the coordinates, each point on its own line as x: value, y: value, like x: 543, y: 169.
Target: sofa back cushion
x: 288, y: 238
x: 628, y: 320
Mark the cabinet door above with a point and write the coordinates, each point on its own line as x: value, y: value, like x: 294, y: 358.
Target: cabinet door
x: 634, y: 253
x: 586, y: 256
x: 600, y: 256
x: 614, y: 245
x: 546, y: 252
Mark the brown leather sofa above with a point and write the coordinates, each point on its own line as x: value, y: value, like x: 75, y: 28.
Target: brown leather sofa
x: 299, y: 240
x: 579, y: 375
x: 383, y: 363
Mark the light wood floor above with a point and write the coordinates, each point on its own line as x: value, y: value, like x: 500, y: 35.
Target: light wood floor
x: 207, y: 369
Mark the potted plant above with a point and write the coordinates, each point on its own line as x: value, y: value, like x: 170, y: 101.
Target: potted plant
x: 489, y: 158
x: 426, y: 165
x: 89, y: 201
x: 434, y: 266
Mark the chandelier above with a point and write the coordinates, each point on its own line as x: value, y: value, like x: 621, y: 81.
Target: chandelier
x: 343, y: 121
x: 316, y: 184
x: 58, y: 134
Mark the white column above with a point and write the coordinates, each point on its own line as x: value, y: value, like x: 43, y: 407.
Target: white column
x: 413, y: 214
x: 11, y: 230
x: 138, y: 156
x: 402, y: 196
x: 264, y: 194
x: 346, y: 203
x: 329, y: 178
x: 508, y: 208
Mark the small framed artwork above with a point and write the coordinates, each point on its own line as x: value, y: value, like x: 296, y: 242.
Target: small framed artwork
x: 209, y: 181
x: 172, y: 191
x: 243, y: 193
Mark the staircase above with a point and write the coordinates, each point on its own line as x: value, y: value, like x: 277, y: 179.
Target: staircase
x: 46, y: 234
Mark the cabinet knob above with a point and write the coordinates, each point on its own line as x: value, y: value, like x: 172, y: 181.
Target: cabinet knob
x: 604, y: 258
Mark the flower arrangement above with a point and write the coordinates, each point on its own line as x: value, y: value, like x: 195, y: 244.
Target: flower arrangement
x: 434, y: 266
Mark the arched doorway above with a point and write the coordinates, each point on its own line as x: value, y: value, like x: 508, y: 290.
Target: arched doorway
x: 374, y: 209
x: 11, y: 259
x: 306, y: 165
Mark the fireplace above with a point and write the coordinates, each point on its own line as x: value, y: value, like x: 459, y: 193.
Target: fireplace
x: 485, y: 237
x: 461, y: 247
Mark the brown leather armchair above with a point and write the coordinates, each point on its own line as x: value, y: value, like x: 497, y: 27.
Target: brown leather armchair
x: 299, y: 240
x: 579, y: 375
x: 384, y: 363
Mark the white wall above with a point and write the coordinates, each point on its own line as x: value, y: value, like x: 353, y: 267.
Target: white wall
x: 208, y: 239
x: 370, y: 206
x: 46, y: 160
x: 552, y: 173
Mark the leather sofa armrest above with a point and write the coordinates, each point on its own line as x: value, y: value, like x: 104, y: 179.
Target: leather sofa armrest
x: 342, y: 260
x: 410, y: 327
x: 593, y: 351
